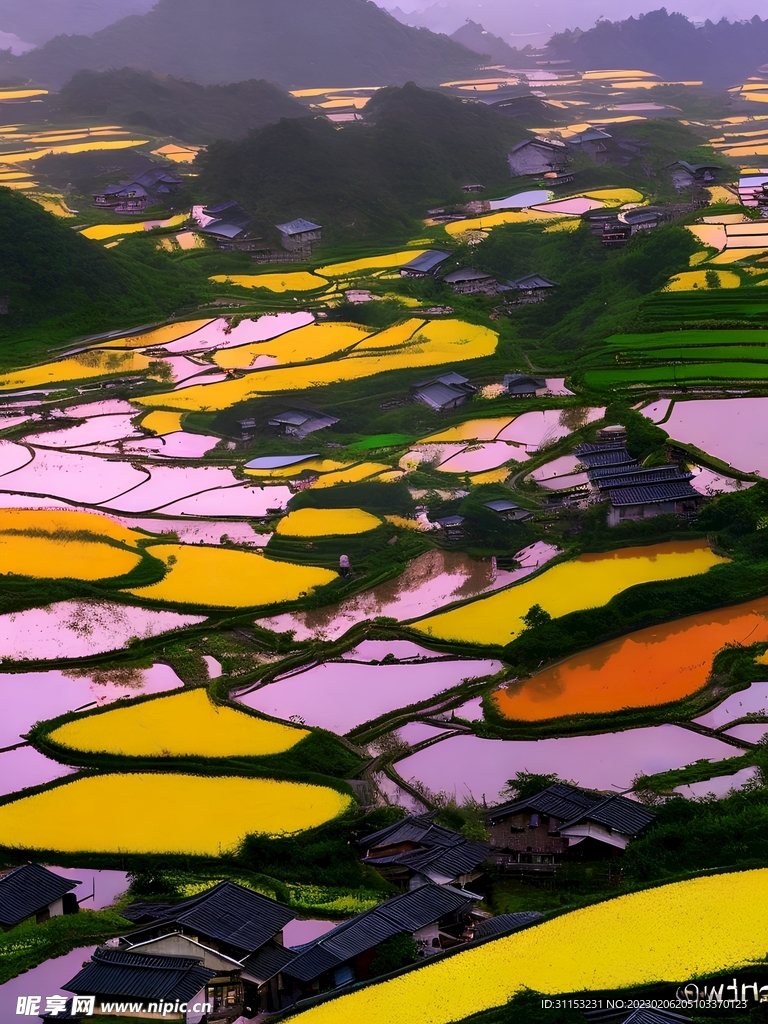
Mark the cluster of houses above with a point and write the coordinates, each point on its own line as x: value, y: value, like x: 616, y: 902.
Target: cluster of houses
x: 151, y: 188
x: 634, y: 491
x: 231, y: 227
x: 222, y: 954
x: 469, y: 281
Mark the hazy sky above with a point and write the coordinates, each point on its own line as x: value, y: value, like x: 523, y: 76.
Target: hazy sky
x: 534, y: 21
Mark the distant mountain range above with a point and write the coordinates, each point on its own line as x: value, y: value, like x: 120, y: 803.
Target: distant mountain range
x: 719, y: 54
x: 37, y: 21
x: 172, y: 106
x: 294, y: 43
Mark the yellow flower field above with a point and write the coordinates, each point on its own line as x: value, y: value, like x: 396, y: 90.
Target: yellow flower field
x: 84, y: 365
x: 60, y: 522
x: 286, y: 472
x: 327, y: 522
x: 101, y: 231
x: 493, y: 476
x: 316, y: 341
x: 160, y: 422
x: 164, y: 813
x: 298, y: 281
x: 492, y: 220
x: 395, y: 259
x: 175, y: 725
x: 617, y: 196
x: 159, y: 336
x: 663, y: 934
x: 472, y: 430
x: 693, y: 279
x: 435, y: 344
x: 393, y: 337
x: 586, y: 582
x: 219, y: 578
x: 351, y: 474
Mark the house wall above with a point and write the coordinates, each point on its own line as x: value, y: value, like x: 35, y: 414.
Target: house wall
x: 635, y: 512
x: 516, y: 833
x: 533, y: 160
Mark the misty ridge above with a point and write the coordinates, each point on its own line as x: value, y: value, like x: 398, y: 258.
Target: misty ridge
x: 298, y: 43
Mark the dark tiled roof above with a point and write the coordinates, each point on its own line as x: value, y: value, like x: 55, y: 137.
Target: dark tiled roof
x: 298, y: 227
x: 120, y: 973
x: 609, y: 457
x: 28, y: 890
x: 618, y: 813
x: 558, y: 801
x: 229, y: 913
x: 414, y: 828
x: 533, y: 281
x: 268, y: 962
x: 427, y: 261
x: 640, y: 477
x: 505, y: 923
x: 518, y: 379
x: 653, y: 493
x: 601, y: 446
x: 405, y: 913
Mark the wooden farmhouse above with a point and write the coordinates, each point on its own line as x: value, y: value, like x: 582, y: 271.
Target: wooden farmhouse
x: 443, y: 393
x: 299, y: 234
x: 427, y: 263
x: 471, y: 282
x: 538, y: 156
x: 531, y: 835
x: 33, y: 893
x: 521, y: 385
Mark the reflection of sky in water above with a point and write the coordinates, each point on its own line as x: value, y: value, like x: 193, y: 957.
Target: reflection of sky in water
x: 26, y: 767
x: 734, y: 430
x: 45, y: 980
x: 417, y: 732
x: 31, y: 697
x: 341, y: 695
x: 720, y: 786
x: 100, y: 887
x: 470, y: 765
x: 745, y: 702
x: 377, y: 650
x: 429, y: 582
x: 752, y: 732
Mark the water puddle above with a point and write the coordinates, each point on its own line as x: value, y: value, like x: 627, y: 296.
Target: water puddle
x: 45, y: 980
x: 25, y: 767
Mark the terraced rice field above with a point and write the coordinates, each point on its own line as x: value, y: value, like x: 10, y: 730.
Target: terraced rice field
x: 316, y: 341
x: 320, y: 522
x: 621, y: 943
x: 86, y: 365
x: 395, y: 259
x: 162, y: 422
x: 586, y: 582
x: 100, y: 232
x: 652, y: 666
x: 184, y: 723
x: 298, y: 281
x: 160, y: 813
x: 219, y: 578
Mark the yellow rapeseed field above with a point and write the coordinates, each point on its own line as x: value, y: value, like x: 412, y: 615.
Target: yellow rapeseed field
x: 175, y: 725
x: 327, y: 522
x: 219, y: 578
x: 160, y: 336
x: 160, y: 422
x: 298, y: 281
x: 351, y: 474
x: 101, y: 231
x: 80, y: 367
x: 286, y: 472
x: 472, y: 430
x: 616, y: 196
x: 164, y: 813
x: 697, y: 279
x: 492, y: 220
x: 395, y: 259
x: 663, y: 934
x: 316, y: 341
x: 492, y: 476
x: 393, y: 337
x: 586, y: 582
x: 435, y: 344
x: 63, y: 545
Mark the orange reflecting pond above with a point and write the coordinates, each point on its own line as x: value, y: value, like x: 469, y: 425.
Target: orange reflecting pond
x: 653, y: 666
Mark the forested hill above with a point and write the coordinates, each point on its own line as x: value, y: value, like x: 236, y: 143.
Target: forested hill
x: 415, y: 149
x: 295, y: 43
x: 172, y: 106
x: 719, y: 54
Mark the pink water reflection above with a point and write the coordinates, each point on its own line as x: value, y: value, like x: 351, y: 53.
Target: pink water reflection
x: 752, y: 732
x: 161, y: 485
x: 563, y: 466
x: 30, y: 697
x: 537, y: 429
x: 178, y: 445
x: 97, y: 889
x: 242, y: 501
x: 488, y: 455
x: 98, y: 429
x: 218, y: 334
x: 45, y: 980
x: 417, y: 732
x: 745, y: 702
x: 376, y: 650
x: 73, y: 477
x: 341, y: 695
x: 430, y: 581
x: 12, y: 456
x: 720, y: 786
x: 197, y: 531
x: 734, y: 430
x: 25, y: 767
x: 78, y: 629
x: 468, y: 765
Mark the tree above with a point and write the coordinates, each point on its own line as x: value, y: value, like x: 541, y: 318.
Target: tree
x: 536, y: 616
x: 526, y: 784
x: 399, y: 951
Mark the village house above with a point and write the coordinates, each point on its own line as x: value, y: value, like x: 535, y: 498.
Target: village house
x: 504, y: 924
x: 117, y: 975
x: 235, y: 933
x: 299, y: 235
x: 33, y: 893
x: 136, y: 194
x: 299, y: 423
x: 452, y: 527
x: 530, y: 836
x: 471, y: 282
x: 593, y: 142
x: 443, y: 393
x: 508, y: 510
x: 635, y: 492
x: 529, y: 289
x: 228, y: 224
x: 437, y: 916
x: 473, y: 188
x: 521, y: 385
x: 416, y: 851
x: 427, y: 263
x: 538, y: 156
